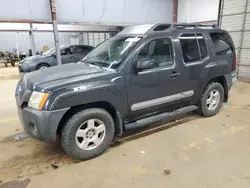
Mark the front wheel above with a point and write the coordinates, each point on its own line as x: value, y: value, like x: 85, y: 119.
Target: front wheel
x: 42, y: 67
x: 88, y: 133
x: 212, y: 99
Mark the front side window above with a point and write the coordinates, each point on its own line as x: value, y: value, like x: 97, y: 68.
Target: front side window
x: 112, y: 52
x: 67, y: 51
x: 189, y: 47
x: 160, y: 50
x: 81, y: 50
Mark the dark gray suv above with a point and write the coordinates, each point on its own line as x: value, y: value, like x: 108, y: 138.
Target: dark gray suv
x: 69, y: 54
x: 143, y: 75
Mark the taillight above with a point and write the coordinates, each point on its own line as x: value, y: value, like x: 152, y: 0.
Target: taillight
x: 234, y: 63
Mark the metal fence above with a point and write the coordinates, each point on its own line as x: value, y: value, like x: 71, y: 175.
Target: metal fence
x: 20, y: 40
x: 235, y: 18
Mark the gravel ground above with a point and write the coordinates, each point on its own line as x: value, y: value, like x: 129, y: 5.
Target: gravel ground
x: 190, y: 152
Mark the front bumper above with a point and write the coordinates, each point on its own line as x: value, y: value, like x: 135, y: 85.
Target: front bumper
x: 41, y: 124
x: 24, y: 67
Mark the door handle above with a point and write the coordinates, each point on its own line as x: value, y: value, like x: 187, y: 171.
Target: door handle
x: 175, y: 74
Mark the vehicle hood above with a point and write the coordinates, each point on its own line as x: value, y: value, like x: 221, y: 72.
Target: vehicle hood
x: 32, y: 58
x: 59, y: 75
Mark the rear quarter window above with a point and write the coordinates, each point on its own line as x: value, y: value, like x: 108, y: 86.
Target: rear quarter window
x: 223, y: 43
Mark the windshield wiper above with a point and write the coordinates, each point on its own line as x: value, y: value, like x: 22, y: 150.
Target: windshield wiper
x: 94, y: 63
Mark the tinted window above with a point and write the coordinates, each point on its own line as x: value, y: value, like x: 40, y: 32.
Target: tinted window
x: 67, y: 51
x: 112, y: 52
x: 160, y: 50
x: 189, y: 48
x: 82, y: 50
x: 222, y: 42
x: 202, y: 45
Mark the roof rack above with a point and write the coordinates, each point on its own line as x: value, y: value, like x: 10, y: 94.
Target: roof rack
x: 144, y: 29
x: 167, y: 26
x: 193, y: 25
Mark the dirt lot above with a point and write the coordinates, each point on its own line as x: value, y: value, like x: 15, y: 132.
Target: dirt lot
x: 9, y: 72
x: 191, y: 152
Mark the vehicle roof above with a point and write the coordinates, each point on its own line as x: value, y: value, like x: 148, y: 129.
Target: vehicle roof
x: 151, y: 29
x: 69, y: 45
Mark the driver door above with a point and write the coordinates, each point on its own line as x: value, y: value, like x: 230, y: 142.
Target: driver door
x: 67, y: 55
x: 157, y: 88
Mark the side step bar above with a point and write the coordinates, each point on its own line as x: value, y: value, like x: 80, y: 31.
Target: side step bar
x: 159, y: 117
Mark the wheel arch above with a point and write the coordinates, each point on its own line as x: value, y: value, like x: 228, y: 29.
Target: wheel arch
x: 42, y: 63
x: 98, y: 104
x: 222, y: 80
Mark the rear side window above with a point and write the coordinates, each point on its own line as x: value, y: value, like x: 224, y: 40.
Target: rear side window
x: 223, y: 43
x: 193, y: 47
x: 202, y: 45
x: 189, y: 47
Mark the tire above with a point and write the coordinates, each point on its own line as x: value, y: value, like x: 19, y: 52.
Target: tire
x: 42, y: 66
x: 71, y: 143
x: 206, y: 106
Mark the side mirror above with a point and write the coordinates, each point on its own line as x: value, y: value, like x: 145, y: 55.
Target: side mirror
x: 145, y: 63
x: 54, y: 55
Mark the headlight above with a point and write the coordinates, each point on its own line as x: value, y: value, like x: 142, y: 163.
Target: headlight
x: 37, y: 100
x: 26, y: 62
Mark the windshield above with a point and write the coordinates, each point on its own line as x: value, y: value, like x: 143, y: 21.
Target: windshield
x: 52, y: 50
x: 110, y: 53
x: 49, y: 52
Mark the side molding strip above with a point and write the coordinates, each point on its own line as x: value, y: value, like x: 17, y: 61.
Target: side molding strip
x: 162, y: 100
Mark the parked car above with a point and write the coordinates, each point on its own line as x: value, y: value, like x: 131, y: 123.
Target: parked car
x: 143, y: 75
x: 69, y: 54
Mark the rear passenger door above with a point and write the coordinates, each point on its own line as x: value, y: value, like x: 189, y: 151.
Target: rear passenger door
x: 194, y: 58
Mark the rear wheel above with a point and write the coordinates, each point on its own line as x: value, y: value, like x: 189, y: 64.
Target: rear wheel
x: 212, y: 99
x: 88, y: 133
